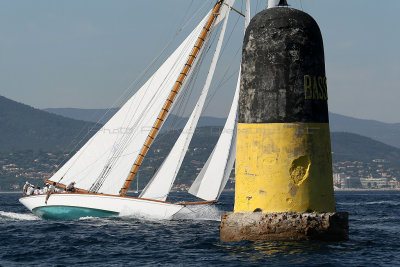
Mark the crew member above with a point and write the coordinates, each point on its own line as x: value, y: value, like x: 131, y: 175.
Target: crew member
x: 71, y: 187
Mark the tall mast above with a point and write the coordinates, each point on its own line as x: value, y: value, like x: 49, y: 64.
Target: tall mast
x: 172, y: 95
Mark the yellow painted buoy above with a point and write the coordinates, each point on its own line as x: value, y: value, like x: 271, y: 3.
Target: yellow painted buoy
x: 283, y: 159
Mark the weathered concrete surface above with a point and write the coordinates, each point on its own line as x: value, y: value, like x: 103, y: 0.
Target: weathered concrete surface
x: 283, y: 154
x: 332, y: 226
x: 282, y: 52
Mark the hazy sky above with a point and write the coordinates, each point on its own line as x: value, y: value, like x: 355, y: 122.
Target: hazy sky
x: 85, y: 53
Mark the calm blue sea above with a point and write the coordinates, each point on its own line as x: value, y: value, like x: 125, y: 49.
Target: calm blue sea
x: 194, y: 241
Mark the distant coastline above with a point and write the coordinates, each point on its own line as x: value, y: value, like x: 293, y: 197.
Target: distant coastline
x: 367, y: 189
x: 231, y: 190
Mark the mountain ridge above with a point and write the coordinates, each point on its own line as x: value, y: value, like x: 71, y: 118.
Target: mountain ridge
x: 24, y: 127
x: 388, y: 133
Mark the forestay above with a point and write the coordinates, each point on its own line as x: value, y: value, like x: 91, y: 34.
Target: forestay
x: 160, y: 185
x: 103, y: 163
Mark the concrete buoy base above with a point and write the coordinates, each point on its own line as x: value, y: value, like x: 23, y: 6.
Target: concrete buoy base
x: 330, y: 226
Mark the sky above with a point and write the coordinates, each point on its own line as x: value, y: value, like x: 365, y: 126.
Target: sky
x: 86, y: 53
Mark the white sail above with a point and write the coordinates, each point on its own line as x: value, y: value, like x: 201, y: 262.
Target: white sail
x: 212, y: 179
x: 160, y: 185
x: 275, y: 3
x: 107, y: 157
x: 247, y: 15
x: 214, y: 175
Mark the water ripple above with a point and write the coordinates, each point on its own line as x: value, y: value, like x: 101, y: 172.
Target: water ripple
x: 192, y: 238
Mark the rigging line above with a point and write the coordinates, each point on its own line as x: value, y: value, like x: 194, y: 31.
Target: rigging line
x: 121, y: 144
x: 199, y: 105
x: 183, y: 155
x: 156, y: 93
x: 208, y: 47
x: 63, y: 159
x: 135, y: 82
x: 184, y: 118
x: 189, y: 88
x: 191, y: 81
x: 230, y: 64
x: 257, y: 6
x: 192, y: 17
x: 110, y: 164
x: 219, y: 85
x: 176, y: 63
x: 223, y: 50
x: 187, y: 101
x: 234, y: 9
x: 199, y: 52
x: 183, y: 102
x: 230, y: 35
x: 223, y: 76
x: 187, y: 13
x: 196, y: 69
x: 122, y: 96
x: 167, y: 76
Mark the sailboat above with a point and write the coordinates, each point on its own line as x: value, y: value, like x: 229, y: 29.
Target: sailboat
x: 104, y: 168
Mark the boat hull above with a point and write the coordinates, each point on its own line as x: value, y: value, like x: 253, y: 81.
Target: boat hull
x: 70, y: 206
x: 69, y: 213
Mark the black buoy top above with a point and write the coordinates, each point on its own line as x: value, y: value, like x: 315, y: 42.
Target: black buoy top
x: 283, y: 69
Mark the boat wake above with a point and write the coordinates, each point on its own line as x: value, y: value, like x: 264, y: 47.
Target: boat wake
x: 134, y: 214
x: 200, y: 213
x: 8, y: 216
x: 195, y: 212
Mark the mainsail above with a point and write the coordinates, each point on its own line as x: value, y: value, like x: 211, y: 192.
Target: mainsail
x: 161, y: 183
x: 105, y: 160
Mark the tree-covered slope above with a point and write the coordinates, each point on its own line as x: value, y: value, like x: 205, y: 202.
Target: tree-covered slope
x: 354, y: 147
x: 23, y: 127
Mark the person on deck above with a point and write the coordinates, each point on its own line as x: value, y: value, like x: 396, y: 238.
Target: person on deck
x: 30, y: 190
x: 52, y: 189
x: 36, y: 191
x: 45, y: 189
x: 71, y: 187
x: 25, y: 188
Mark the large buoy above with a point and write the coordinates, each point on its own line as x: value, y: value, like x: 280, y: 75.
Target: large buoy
x: 283, y: 157
x: 283, y: 147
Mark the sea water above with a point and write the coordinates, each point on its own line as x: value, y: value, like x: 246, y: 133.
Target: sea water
x: 193, y: 238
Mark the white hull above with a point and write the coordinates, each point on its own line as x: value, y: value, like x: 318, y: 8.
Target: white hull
x: 72, y: 206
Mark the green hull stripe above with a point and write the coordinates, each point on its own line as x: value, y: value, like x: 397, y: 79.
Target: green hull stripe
x: 69, y: 213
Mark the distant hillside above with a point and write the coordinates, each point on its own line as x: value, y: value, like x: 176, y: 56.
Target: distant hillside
x: 103, y: 115
x: 388, y: 133
x: 345, y: 147
x: 93, y: 115
x: 354, y: 147
x: 23, y: 127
